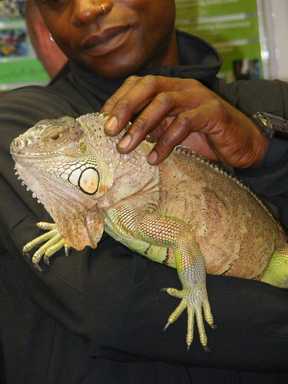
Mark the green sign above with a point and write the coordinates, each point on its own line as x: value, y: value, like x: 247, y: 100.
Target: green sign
x: 231, y: 26
x: 21, y: 72
x: 18, y: 65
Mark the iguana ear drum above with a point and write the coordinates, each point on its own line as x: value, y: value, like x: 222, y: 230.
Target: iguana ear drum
x: 87, y: 180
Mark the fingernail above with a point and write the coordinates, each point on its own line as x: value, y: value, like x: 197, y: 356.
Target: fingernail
x: 125, y: 142
x: 111, y: 125
x: 153, y: 157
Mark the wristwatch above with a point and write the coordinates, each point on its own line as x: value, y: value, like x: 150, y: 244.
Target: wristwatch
x: 271, y: 125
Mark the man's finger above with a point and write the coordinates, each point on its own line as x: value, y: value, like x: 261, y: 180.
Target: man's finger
x: 155, y: 135
x: 135, y: 99
x: 135, y: 96
x: 166, y: 143
x: 148, y: 121
x: 194, y: 120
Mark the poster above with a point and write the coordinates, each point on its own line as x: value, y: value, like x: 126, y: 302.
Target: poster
x: 231, y: 26
x: 13, y: 42
x: 18, y: 64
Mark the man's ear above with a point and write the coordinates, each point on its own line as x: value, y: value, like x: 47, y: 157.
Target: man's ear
x: 46, y: 49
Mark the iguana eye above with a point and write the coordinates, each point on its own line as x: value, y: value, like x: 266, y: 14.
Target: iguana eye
x: 56, y: 136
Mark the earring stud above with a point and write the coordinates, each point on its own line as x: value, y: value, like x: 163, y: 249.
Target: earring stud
x: 102, y: 8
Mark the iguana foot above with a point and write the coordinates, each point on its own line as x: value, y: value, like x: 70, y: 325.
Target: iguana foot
x: 52, y: 240
x: 197, y: 303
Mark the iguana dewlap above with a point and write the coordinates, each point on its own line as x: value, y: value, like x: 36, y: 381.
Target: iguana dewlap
x: 185, y: 213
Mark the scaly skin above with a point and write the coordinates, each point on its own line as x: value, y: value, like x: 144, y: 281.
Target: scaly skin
x: 185, y: 213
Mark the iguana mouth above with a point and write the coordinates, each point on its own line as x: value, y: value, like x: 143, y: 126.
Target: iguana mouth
x: 41, y: 156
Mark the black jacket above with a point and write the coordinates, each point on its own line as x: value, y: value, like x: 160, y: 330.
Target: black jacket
x: 97, y: 316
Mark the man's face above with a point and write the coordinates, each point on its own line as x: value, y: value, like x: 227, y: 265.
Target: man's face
x: 113, y: 38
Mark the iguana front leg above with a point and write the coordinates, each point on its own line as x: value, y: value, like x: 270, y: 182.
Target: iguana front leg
x: 52, y: 242
x: 170, y: 232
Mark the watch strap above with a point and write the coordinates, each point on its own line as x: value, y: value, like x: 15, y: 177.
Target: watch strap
x: 271, y: 125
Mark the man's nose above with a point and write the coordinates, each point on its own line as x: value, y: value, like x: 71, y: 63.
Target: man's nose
x: 87, y: 11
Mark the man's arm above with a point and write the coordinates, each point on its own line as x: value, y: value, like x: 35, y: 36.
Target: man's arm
x: 268, y: 179
x: 251, y: 320
x: 59, y: 290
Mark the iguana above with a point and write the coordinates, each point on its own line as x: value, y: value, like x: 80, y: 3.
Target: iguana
x: 186, y: 213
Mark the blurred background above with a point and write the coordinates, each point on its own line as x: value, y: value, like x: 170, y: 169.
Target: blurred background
x: 250, y: 35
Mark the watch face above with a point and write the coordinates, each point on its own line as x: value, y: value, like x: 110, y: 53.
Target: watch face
x: 263, y: 120
x: 263, y: 123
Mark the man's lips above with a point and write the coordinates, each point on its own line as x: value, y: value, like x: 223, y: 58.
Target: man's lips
x: 103, y: 42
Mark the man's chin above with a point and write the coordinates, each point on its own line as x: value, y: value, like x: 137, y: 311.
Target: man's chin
x: 113, y: 70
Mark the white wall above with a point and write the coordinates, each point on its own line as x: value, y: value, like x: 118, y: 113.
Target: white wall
x: 274, y: 37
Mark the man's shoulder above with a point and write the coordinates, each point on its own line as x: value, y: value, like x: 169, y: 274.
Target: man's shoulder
x: 58, y: 98
x: 21, y: 108
x: 27, y: 93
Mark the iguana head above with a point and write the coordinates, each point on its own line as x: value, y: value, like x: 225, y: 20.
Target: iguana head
x: 68, y: 164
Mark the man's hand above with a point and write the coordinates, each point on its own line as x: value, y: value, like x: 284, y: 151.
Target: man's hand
x: 174, y: 111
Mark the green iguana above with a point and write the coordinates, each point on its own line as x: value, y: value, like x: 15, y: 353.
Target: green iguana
x: 185, y: 213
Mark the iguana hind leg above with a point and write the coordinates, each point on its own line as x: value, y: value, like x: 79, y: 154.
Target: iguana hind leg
x: 51, y: 242
x: 276, y: 273
x: 172, y: 233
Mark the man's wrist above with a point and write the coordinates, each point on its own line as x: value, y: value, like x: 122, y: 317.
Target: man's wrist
x: 274, y: 129
x: 262, y: 144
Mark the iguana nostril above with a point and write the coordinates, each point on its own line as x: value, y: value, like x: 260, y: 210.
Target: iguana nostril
x: 17, y: 145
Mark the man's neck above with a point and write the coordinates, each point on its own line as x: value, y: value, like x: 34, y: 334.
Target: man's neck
x: 169, y: 57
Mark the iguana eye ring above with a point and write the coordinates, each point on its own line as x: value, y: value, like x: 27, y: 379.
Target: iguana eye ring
x: 86, y: 178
